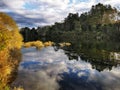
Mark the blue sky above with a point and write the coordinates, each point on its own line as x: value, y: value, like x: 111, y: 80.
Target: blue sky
x: 34, y: 13
x: 30, y: 6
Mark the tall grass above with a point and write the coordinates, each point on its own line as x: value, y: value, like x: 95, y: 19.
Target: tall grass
x: 64, y: 44
x: 37, y: 44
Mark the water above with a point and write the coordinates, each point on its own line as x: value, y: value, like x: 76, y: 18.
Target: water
x: 48, y: 69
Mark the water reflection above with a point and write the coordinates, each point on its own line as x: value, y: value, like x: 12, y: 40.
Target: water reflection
x: 51, y: 70
x: 99, y: 55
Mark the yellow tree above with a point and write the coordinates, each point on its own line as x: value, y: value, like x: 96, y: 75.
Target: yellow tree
x: 8, y: 23
x: 10, y: 44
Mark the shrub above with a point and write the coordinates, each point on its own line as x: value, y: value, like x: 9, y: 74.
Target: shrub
x: 10, y: 44
x: 37, y: 44
x: 64, y: 44
x: 49, y: 43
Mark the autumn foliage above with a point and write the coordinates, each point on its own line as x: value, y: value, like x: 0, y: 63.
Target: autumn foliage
x: 38, y: 44
x: 10, y: 44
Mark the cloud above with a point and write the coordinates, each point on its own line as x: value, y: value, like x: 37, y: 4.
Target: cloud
x: 49, y: 70
x: 26, y: 21
x: 46, y: 12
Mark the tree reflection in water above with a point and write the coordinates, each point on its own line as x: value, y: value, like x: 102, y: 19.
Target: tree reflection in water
x: 99, y: 55
x: 52, y: 70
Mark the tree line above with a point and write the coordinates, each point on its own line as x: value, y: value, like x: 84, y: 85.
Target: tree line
x: 101, y: 23
x: 93, y: 34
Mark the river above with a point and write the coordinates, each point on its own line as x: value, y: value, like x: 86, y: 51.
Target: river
x: 50, y: 69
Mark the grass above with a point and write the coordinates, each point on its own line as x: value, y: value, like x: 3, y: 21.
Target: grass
x: 37, y: 44
x: 40, y: 44
x: 64, y: 44
x: 49, y: 43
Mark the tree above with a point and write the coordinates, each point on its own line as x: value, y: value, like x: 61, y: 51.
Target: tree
x: 8, y: 25
x: 10, y: 44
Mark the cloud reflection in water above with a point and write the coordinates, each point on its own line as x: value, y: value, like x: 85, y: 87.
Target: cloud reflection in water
x: 50, y: 70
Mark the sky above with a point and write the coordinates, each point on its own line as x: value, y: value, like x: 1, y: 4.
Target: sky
x: 42, y: 70
x: 33, y: 13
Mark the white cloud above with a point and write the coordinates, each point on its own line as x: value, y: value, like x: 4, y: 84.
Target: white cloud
x: 49, y: 10
x: 42, y: 70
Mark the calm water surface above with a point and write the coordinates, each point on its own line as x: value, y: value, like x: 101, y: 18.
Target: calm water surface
x: 47, y: 69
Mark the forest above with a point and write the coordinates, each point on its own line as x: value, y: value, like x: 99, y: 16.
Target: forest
x: 100, y: 24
